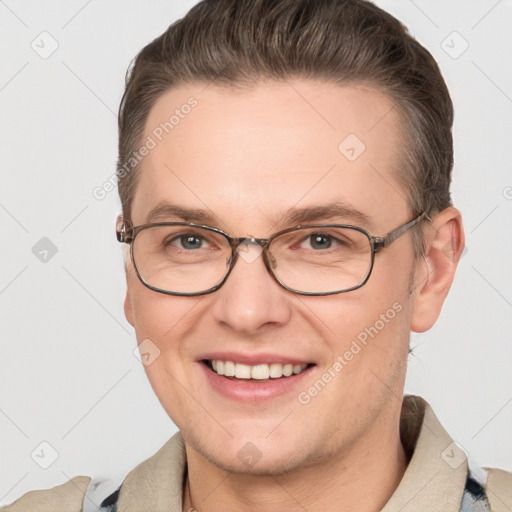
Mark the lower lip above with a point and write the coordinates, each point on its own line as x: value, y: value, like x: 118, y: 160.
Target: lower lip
x: 253, y: 390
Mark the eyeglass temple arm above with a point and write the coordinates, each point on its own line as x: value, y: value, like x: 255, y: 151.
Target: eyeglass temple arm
x: 379, y: 241
x: 124, y: 231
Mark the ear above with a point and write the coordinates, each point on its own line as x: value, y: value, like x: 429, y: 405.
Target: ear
x: 444, y: 243
x: 128, y: 309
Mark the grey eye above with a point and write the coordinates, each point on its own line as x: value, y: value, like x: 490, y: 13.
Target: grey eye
x: 190, y: 241
x: 320, y: 241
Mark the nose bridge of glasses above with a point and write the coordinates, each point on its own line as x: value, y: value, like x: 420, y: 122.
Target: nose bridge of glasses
x: 250, y: 240
x: 249, y: 248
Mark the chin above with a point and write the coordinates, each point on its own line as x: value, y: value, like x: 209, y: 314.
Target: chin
x: 258, y: 463
x: 252, y: 455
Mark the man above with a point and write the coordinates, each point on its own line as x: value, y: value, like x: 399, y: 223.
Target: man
x: 284, y: 171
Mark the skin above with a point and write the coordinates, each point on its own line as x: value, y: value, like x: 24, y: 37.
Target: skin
x: 249, y: 156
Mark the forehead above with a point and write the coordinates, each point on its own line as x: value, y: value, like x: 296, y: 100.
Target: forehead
x: 251, y: 154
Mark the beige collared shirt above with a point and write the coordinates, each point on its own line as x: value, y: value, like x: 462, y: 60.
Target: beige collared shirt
x: 434, y: 480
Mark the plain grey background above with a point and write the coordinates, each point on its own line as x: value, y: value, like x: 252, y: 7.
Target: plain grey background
x: 74, y: 398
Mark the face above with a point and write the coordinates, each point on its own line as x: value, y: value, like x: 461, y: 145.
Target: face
x: 248, y: 158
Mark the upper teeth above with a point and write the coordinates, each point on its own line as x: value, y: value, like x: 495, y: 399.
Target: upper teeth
x: 259, y: 371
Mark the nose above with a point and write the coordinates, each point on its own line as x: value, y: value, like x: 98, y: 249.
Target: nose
x: 250, y: 300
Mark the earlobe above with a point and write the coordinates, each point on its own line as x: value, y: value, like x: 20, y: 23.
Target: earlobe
x: 444, y: 243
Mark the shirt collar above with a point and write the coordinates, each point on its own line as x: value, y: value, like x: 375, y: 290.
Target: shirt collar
x: 436, y: 474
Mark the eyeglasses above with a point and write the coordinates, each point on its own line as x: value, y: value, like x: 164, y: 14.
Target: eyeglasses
x: 187, y: 259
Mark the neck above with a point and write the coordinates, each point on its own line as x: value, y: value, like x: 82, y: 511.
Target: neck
x: 361, y: 479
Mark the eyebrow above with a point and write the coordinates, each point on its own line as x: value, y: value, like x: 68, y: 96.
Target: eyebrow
x: 293, y: 217
x: 331, y: 211
x: 163, y: 211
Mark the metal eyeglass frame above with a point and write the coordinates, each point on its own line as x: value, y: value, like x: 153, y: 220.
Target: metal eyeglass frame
x: 126, y: 233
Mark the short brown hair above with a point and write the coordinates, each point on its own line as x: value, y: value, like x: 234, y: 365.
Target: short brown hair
x: 237, y: 43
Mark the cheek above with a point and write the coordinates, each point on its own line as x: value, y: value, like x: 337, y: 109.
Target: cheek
x: 164, y: 325
x: 155, y: 314
x: 369, y: 326
x: 360, y: 318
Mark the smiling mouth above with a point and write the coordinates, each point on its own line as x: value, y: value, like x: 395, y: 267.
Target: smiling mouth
x: 254, y: 373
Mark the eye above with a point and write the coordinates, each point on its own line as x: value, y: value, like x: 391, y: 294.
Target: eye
x: 187, y: 241
x: 320, y: 241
